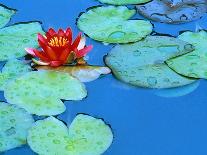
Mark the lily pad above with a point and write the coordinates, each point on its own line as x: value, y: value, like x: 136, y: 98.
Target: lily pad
x: 15, y: 38
x: 40, y: 92
x: 11, y: 70
x: 5, y: 15
x: 83, y: 73
x: 123, y: 2
x: 193, y: 64
x: 14, y: 125
x: 173, y: 11
x: 112, y: 24
x: 85, y: 136
x: 142, y: 63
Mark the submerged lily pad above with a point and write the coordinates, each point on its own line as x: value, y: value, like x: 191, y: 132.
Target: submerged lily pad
x: 123, y: 2
x: 193, y: 64
x: 83, y: 73
x: 11, y: 70
x: 5, y: 15
x: 173, y: 11
x: 14, y: 125
x: 15, y: 38
x: 40, y: 92
x: 142, y: 63
x: 111, y: 24
x: 85, y: 136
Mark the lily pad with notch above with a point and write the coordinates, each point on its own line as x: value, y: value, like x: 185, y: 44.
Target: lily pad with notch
x: 86, y: 135
x: 112, y: 24
x: 39, y: 92
x: 173, y: 11
x: 193, y: 64
x: 142, y: 63
x: 14, y: 125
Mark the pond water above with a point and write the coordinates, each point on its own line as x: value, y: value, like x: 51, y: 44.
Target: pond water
x: 144, y: 121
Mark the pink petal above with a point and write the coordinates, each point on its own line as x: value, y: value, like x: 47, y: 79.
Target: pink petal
x: 82, y: 43
x: 38, y: 62
x: 30, y: 51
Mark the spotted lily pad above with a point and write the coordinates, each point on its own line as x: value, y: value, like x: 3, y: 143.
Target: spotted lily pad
x: 5, y: 15
x: 142, y: 63
x: 123, y: 2
x: 85, y: 136
x: 111, y: 24
x: 15, y: 38
x: 11, y: 70
x: 40, y: 92
x: 193, y: 64
x: 83, y: 73
x: 173, y: 11
x: 14, y: 125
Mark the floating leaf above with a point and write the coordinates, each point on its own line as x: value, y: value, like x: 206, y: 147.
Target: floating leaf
x: 82, y: 72
x: 11, y: 70
x: 40, y: 92
x: 15, y: 38
x: 5, y: 15
x: 173, y: 11
x: 86, y: 136
x: 142, y: 63
x: 14, y: 125
x: 111, y: 24
x: 193, y: 64
x: 123, y: 2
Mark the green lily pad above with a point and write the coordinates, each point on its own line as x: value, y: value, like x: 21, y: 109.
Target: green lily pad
x: 15, y: 38
x: 14, y: 125
x: 193, y: 64
x: 11, y: 70
x: 40, y: 92
x: 142, y: 63
x: 83, y: 72
x: 5, y: 15
x: 85, y: 136
x: 123, y: 2
x: 112, y: 24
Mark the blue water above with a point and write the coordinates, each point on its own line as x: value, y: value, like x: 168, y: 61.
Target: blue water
x: 143, y: 121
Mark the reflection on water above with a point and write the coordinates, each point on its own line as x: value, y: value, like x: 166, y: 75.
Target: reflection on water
x: 177, y: 92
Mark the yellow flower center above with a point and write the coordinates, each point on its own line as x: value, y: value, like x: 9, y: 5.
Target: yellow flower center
x: 58, y: 41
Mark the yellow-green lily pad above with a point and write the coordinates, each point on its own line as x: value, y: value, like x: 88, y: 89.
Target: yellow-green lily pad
x: 11, y: 70
x: 15, y: 38
x: 85, y: 136
x: 193, y: 64
x: 142, y: 63
x: 83, y: 72
x: 40, y: 92
x: 14, y: 125
x: 112, y: 24
x: 123, y: 2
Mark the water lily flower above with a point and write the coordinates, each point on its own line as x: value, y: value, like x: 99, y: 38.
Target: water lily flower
x: 58, y: 48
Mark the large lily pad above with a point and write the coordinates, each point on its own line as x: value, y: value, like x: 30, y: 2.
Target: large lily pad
x: 86, y: 136
x: 40, y: 92
x: 142, y: 63
x: 14, y: 125
x: 123, y: 2
x: 11, y: 70
x: 173, y: 11
x: 15, y: 38
x: 83, y: 72
x: 111, y: 24
x: 5, y: 15
x: 193, y: 64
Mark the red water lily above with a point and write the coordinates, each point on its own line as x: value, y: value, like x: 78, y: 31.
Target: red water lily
x: 58, y: 48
